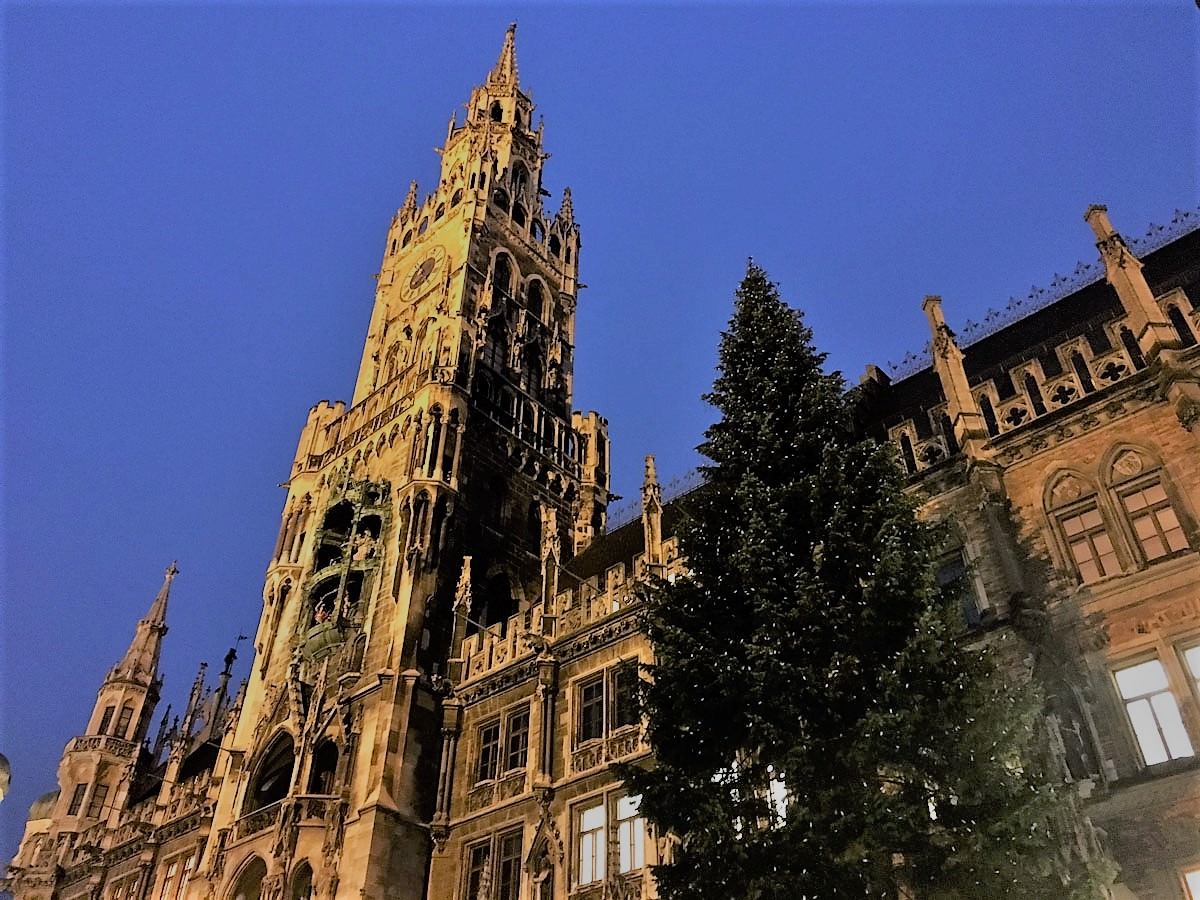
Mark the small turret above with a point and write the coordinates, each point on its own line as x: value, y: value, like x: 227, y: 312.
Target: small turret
x: 652, y: 515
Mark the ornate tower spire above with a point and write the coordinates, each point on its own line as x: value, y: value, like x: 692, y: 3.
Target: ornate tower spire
x: 652, y: 514
x: 142, y: 656
x: 505, y: 70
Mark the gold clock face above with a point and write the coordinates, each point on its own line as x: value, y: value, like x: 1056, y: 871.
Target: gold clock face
x: 422, y: 272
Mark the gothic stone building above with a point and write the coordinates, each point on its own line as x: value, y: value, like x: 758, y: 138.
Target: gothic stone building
x: 443, y: 669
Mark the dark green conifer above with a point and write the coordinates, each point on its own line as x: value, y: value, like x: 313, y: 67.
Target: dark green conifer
x: 819, y: 728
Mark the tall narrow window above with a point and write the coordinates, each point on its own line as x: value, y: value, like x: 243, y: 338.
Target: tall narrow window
x: 1153, y: 713
x: 123, y: 721
x: 1179, y: 320
x: 1091, y: 547
x: 489, y: 752
x: 170, y: 874
x: 508, y: 866
x: 624, y: 696
x: 1083, y: 372
x: 96, y: 805
x: 1191, y: 880
x: 631, y: 834
x: 106, y: 719
x: 76, y: 799
x: 989, y: 415
x: 1035, y: 395
x: 1154, y: 521
x: 1131, y: 347
x: 906, y: 451
x: 1191, y: 659
x: 516, y: 743
x: 478, y: 858
x: 590, y: 844
x: 591, y: 709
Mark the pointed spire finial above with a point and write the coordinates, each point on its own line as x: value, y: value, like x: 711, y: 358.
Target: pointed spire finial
x: 158, y: 609
x: 410, y: 201
x: 505, y: 71
x: 567, y: 210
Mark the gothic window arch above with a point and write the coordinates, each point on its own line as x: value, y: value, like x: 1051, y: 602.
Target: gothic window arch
x: 536, y: 299
x: 519, y: 179
x: 302, y: 882
x: 407, y: 239
x: 537, y: 230
x: 989, y: 415
x: 502, y: 277
x: 424, y: 226
x: 441, y: 211
x: 518, y: 214
x: 1080, y: 526
x: 1180, y: 323
x: 457, y: 197
x: 555, y: 244
x: 497, y: 111
x: 1131, y: 347
x: 272, y: 775
x: 1149, y: 507
x: 500, y: 199
x: 247, y: 885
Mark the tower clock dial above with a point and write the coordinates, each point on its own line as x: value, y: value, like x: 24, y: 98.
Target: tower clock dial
x: 420, y: 276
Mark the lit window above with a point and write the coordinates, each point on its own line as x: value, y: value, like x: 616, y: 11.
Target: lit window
x: 1090, y: 546
x: 1153, y: 712
x: 1191, y: 658
x: 591, y: 844
x: 1154, y: 521
x: 96, y: 806
x: 631, y: 834
x: 1191, y: 880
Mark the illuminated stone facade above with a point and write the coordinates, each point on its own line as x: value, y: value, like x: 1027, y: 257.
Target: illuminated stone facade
x: 442, y: 671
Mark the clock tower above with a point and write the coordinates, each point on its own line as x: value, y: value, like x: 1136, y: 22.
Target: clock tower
x: 459, y: 459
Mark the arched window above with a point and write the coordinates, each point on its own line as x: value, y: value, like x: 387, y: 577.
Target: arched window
x: 501, y: 278
x: 536, y: 300
x: 324, y: 767
x: 441, y: 211
x: 424, y: 226
x: 518, y: 214
x: 1131, y: 347
x: 248, y: 885
x: 989, y: 415
x: 1146, y: 503
x: 1083, y: 372
x: 273, y: 775
x: 1072, y: 504
x: 948, y: 433
x: 458, y: 195
x: 500, y: 199
x: 497, y: 111
x: 537, y: 230
x: 302, y: 882
x: 567, y: 255
x: 408, y: 235
x: 519, y: 179
x: 906, y: 453
x: 392, y: 251
x: 555, y: 245
x: 1035, y: 395
x: 1179, y: 320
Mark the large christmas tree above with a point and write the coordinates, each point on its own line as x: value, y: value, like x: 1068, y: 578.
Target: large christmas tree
x: 819, y: 729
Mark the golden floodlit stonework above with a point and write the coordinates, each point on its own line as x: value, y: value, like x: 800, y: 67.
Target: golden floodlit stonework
x: 443, y: 670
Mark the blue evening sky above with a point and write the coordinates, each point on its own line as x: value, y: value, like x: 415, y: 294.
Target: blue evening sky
x: 195, y: 198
